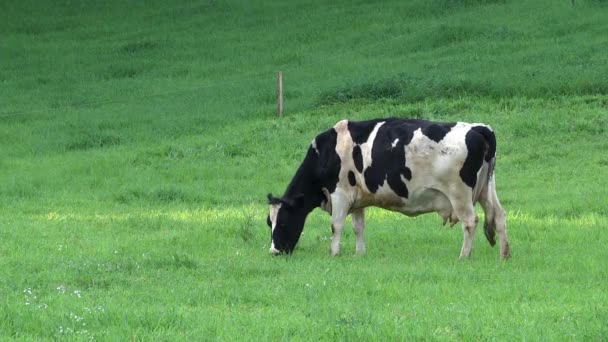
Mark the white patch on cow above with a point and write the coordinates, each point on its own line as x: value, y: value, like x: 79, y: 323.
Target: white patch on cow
x: 273, y: 250
x: 341, y: 126
x: 384, y: 197
x: 423, y: 200
x: 421, y: 146
x: 434, y: 161
x: 344, y: 141
x: 274, y: 212
x: 395, y: 142
x: 372, y: 135
x: 460, y: 125
x: 313, y: 144
x: 447, y: 150
x: 366, y: 147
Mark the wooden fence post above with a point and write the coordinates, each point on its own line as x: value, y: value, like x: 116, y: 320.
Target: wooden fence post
x: 280, y: 94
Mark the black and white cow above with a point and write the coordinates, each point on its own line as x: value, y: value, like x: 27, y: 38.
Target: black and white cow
x: 410, y: 166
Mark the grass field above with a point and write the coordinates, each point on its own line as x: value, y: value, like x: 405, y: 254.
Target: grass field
x: 138, y: 144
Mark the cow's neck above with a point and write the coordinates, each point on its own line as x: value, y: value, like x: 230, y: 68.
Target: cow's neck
x: 305, y: 184
x: 310, y: 199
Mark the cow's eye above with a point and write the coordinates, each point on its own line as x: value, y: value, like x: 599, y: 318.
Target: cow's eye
x: 268, y: 221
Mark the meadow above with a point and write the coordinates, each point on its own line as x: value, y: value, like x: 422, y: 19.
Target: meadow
x: 138, y: 143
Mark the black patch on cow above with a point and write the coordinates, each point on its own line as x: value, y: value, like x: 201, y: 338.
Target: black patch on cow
x: 435, y: 132
x: 329, y: 162
x: 360, y: 130
x: 490, y: 139
x: 476, y: 148
x: 388, y: 161
x: 351, y: 178
x: 319, y: 169
x: 358, y: 158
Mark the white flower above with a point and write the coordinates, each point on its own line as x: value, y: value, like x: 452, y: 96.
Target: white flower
x: 76, y: 317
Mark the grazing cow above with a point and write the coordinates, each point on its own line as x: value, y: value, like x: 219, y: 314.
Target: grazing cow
x: 410, y: 166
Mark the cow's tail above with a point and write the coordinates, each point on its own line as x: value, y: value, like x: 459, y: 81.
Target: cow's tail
x: 489, y: 190
x: 489, y: 225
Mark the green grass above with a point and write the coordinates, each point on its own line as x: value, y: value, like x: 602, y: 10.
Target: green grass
x: 138, y: 144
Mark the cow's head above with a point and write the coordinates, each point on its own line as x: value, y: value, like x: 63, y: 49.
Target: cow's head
x: 286, y: 222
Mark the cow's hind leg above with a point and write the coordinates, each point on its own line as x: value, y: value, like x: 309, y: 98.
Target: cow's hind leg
x: 358, y: 216
x: 464, y: 210
x: 469, y: 224
x: 496, y: 220
x: 339, y: 211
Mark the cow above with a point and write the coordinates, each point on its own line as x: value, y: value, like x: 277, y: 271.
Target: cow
x: 410, y: 166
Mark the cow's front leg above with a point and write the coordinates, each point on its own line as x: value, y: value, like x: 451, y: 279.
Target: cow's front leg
x: 358, y: 216
x: 339, y: 210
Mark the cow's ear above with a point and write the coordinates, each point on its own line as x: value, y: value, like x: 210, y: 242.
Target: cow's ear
x: 272, y: 199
